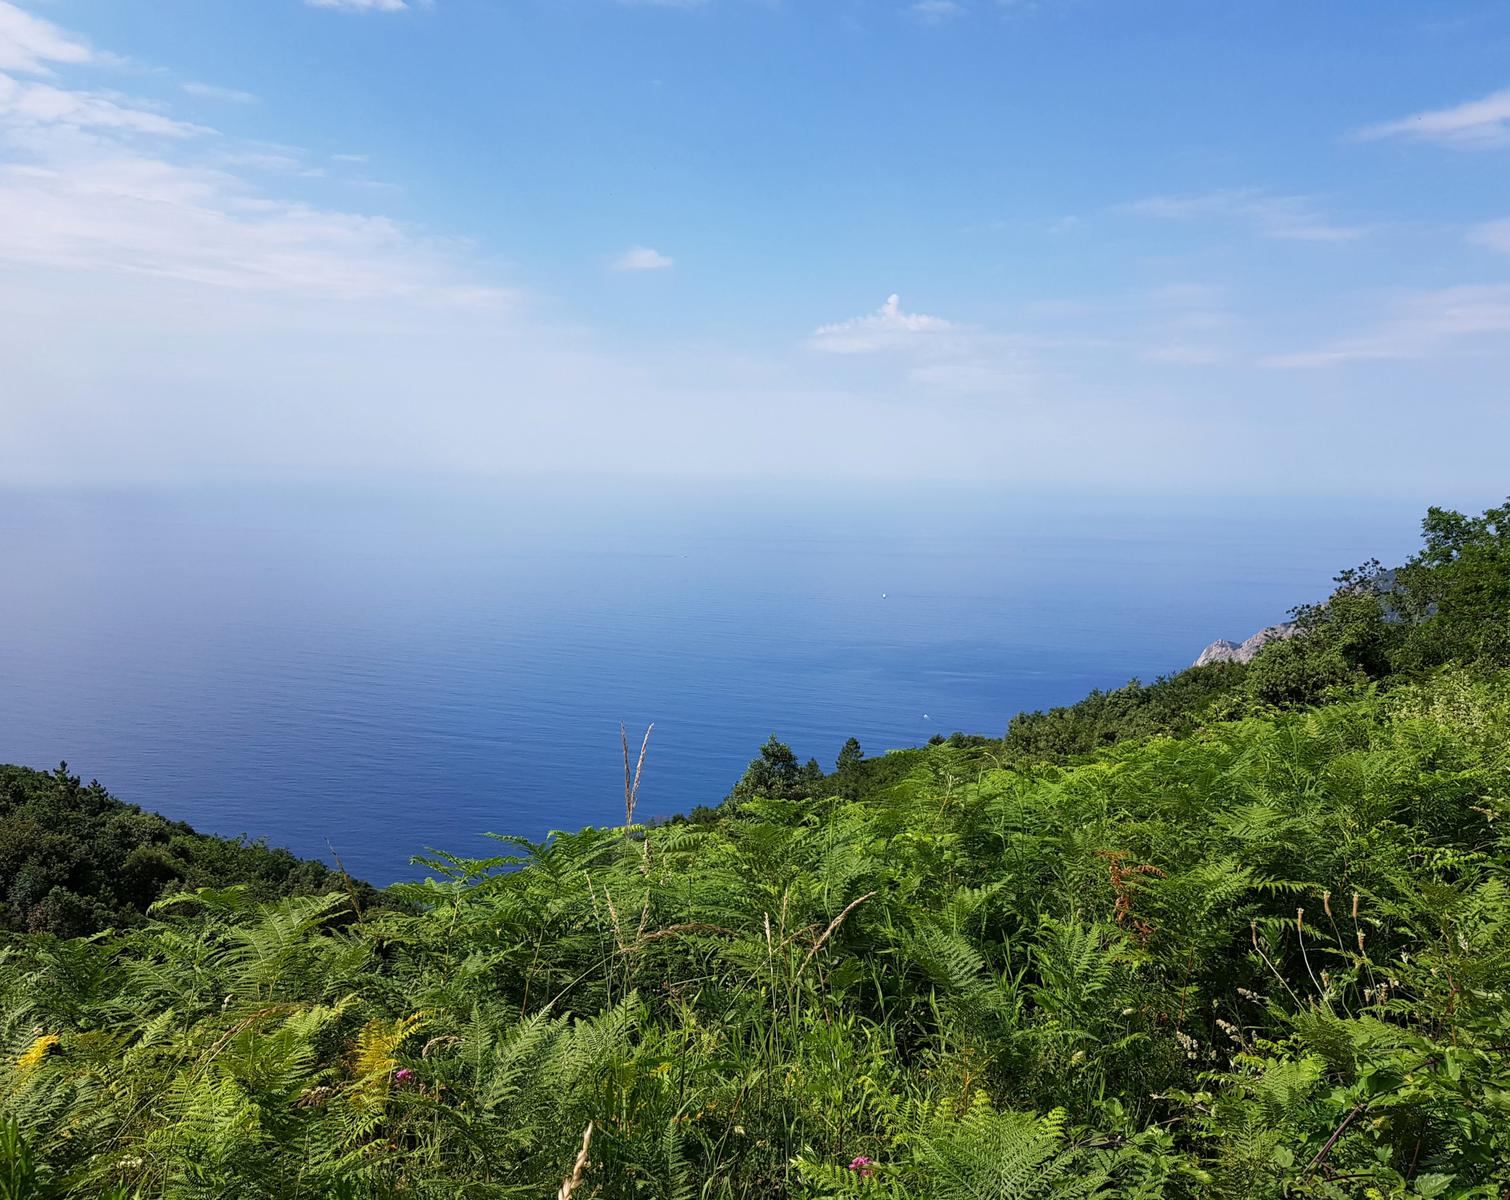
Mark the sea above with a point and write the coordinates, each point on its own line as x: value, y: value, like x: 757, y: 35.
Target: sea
x: 382, y: 669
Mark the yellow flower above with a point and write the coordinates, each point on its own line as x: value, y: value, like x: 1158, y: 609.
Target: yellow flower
x: 35, y: 1053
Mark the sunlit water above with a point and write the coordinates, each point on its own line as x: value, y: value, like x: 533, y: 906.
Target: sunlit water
x: 383, y: 673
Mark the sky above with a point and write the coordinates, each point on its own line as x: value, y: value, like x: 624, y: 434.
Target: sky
x: 1251, y: 247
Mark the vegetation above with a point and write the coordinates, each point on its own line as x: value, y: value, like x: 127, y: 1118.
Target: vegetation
x: 1172, y: 705
x: 1449, y: 604
x: 75, y: 860
x: 776, y: 775
x: 1267, y: 957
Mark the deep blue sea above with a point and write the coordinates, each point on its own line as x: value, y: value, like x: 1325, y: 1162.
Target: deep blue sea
x: 382, y: 671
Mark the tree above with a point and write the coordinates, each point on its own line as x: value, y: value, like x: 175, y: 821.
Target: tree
x: 1456, y: 591
x: 776, y: 775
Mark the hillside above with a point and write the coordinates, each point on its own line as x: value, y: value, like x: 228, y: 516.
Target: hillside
x: 1244, y: 932
x: 75, y: 860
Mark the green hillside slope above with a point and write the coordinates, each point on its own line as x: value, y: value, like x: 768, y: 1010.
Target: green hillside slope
x: 75, y: 860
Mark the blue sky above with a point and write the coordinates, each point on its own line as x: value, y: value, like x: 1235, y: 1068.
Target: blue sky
x: 1248, y: 247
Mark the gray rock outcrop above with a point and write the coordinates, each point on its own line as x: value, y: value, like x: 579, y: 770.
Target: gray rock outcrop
x: 1222, y: 650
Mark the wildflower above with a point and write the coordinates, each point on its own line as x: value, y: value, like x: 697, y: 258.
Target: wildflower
x: 862, y: 1166
x: 403, y: 1075
x: 38, y: 1050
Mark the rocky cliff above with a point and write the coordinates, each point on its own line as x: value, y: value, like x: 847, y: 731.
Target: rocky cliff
x: 1222, y: 650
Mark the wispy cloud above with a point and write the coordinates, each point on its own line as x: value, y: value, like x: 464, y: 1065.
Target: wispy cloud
x: 360, y: 5
x: 935, y: 12
x: 888, y: 328
x: 1183, y: 355
x: 28, y: 43
x: 43, y: 105
x: 1419, y: 325
x: 1495, y: 235
x: 98, y: 183
x: 210, y: 91
x: 1286, y: 218
x: 1476, y: 125
x: 125, y: 214
x: 642, y: 258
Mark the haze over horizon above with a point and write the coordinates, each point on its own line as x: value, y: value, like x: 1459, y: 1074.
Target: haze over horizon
x: 1255, y: 248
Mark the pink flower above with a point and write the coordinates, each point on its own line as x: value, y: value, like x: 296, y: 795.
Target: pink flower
x: 863, y: 1166
x: 403, y: 1075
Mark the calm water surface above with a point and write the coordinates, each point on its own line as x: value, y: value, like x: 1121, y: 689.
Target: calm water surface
x: 383, y: 673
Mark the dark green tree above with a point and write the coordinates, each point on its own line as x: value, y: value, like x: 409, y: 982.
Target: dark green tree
x: 74, y: 859
x: 1455, y: 593
x: 777, y: 775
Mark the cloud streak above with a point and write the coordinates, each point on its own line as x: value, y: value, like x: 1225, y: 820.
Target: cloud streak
x: 41, y: 105
x: 1283, y: 218
x: 1493, y: 235
x: 1422, y: 324
x: 360, y: 5
x: 936, y: 12
x: 210, y: 91
x: 28, y: 43
x: 1482, y: 124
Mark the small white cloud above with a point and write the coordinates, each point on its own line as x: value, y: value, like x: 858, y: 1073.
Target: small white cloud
x: 888, y: 328
x: 360, y: 5
x: 1476, y: 125
x: 934, y: 12
x: 29, y: 43
x: 642, y: 258
x: 210, y: 91
x: 1285, y: 218
x: 349, y: 158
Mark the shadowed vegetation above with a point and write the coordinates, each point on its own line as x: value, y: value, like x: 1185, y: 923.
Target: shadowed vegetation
x: 75, y: 860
